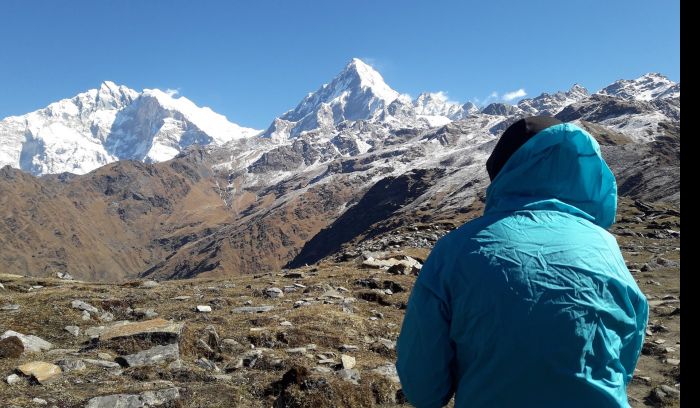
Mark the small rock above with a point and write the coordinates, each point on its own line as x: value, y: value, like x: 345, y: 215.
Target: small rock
x: 322, y: 369
x: 13, y: 379
x: 160, y: 397
x: 643, y: 379
x: 347, y: 361
x: 348, y: 347
x: 105, y: 356
x: 181, y: 297
x: 206, y: 364
x: 85, y: 315
x: 388, y: 371
x: 101, y: 363
x: 212, y: 338
x: 300, y: 303
x: 154, y: 355
x: 145, y: 399
x: 252, y: 309
x: 205, y: 349
x: 250, y: 358
x: 30, y: 342
x: 673, y: 361
x: 80, y: 305
x: 204, y: 309
x: 9, y: 308
x: 286, y: 323
x: 670, y: 391
x: 74, y: 330
x: 297, y: 350
x: 378, y: 315
x: 114, y: 401
x: 230, y: 345
x: 40, y: 371
x: 658, y: 328
x: 39, y: 401
x: 294, y: 275
x: 64, y: 276
x: 274, y: 292
x: 73, y: 364
x: 94, y: 331
x: 149, y: 284
x: 669, y: 297
x: 144, y: 313
x: 106, y: 317
x: 349, y: 375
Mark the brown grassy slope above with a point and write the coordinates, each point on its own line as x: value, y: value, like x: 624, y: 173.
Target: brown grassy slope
x: 107, y: 225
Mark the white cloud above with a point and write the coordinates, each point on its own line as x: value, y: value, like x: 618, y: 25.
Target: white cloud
x: 483, y: 102
x: 172, y: 92
x: 509, y: 96
x: 442, y: 95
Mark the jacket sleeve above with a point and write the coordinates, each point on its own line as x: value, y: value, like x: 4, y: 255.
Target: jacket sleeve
x: 632, y: 346
x: 425, y: 352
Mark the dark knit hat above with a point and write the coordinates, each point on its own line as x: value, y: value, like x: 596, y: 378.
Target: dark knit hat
x: 515, y: 136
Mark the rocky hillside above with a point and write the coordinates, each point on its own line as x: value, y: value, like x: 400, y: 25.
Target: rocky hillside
x: 320, y: 336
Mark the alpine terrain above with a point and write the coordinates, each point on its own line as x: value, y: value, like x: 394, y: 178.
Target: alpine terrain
x: 153, y: 253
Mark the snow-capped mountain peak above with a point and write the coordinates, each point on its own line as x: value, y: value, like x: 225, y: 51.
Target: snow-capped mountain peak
x: 551, y: 104
x: 436, y: 103
x: 645, y: 88
x: 109, y: 123
x: 208, y: 121
x: 358, y: 92
x: 113, y: 96
x: 371, y: 79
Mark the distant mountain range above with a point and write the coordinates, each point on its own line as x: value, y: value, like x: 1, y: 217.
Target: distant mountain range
x: 148, y: 184
x: 113, y: 122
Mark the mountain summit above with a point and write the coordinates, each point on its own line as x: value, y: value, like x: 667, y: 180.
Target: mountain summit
x: 645, y: 88
x: 357, y: 93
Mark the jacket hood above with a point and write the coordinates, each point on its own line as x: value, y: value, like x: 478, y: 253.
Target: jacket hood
x: 560, y: 168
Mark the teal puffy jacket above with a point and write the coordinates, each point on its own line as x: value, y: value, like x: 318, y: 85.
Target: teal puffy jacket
x: 530, y: 305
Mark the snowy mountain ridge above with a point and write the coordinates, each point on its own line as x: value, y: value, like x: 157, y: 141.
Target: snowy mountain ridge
x: 352, y: 112
x: 107, y: 124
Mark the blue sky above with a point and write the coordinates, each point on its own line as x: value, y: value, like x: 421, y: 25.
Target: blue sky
x: 253, y: 60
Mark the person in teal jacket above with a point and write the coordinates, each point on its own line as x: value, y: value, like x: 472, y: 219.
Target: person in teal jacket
x: 530, y: 305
